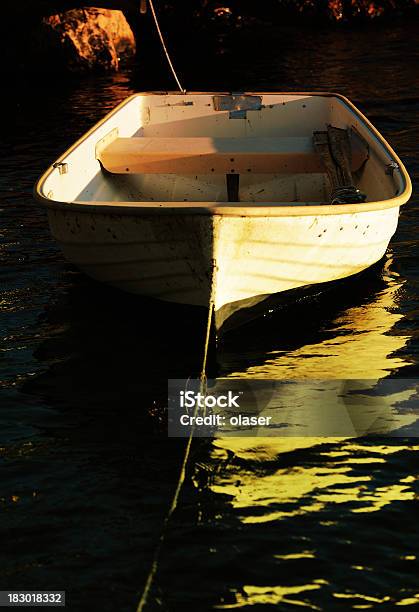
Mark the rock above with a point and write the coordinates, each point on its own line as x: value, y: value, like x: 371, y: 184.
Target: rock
x: 87, y: 39
x: 115, y: 23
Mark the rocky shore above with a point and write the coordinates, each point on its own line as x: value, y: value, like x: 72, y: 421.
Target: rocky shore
x: 72, y: 36
x: 86, y: 39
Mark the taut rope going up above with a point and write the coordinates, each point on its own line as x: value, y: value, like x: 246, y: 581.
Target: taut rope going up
x: 156, y: 21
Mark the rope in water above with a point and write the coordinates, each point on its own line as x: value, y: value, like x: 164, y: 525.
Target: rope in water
x: 182, y: 474
x: 156, y: 21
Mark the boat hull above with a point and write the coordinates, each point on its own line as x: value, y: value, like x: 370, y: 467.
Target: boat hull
x: 231, y: 262
x: 164, y: 257
x: 259, y: 257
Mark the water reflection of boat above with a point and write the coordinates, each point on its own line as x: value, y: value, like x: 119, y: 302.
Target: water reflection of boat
x: 299, y: 494
x: 357, y: 353
x: 357, y: 343
x: 224, y: 200
x: 341, y: 392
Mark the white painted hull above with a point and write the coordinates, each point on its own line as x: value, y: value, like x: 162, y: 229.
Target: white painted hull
x: 167, y: 257
x: 177, y: 258
x: 259, y: 257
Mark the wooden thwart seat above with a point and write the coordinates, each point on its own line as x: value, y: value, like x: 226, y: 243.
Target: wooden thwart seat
x: 205, y: 155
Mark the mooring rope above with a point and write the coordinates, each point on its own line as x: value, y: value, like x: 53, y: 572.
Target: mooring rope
x: 156, y: 21
x: 182, y: 473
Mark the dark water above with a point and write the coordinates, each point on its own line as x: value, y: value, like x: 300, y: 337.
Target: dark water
x: 87, y: 471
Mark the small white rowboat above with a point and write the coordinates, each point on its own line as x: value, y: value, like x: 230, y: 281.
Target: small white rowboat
x: 225, y: 200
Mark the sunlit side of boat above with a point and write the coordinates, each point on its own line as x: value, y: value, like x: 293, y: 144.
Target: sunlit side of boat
x: 143, y: 201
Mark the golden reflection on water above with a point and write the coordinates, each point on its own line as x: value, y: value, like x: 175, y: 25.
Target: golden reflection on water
x: 341, y: 475
x: 252, y: 595
x: 301, y: 489
x: 259, y: 496
x: 361, y: 346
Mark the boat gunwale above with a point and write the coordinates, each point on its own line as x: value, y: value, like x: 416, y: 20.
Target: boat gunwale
x: 229, y: 209
x: 240, y: 209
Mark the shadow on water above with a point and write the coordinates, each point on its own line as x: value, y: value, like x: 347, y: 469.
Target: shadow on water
x: 91, y: 474
x: 111, y: 350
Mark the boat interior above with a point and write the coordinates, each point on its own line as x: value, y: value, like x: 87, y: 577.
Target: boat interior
x: 253, y: 148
